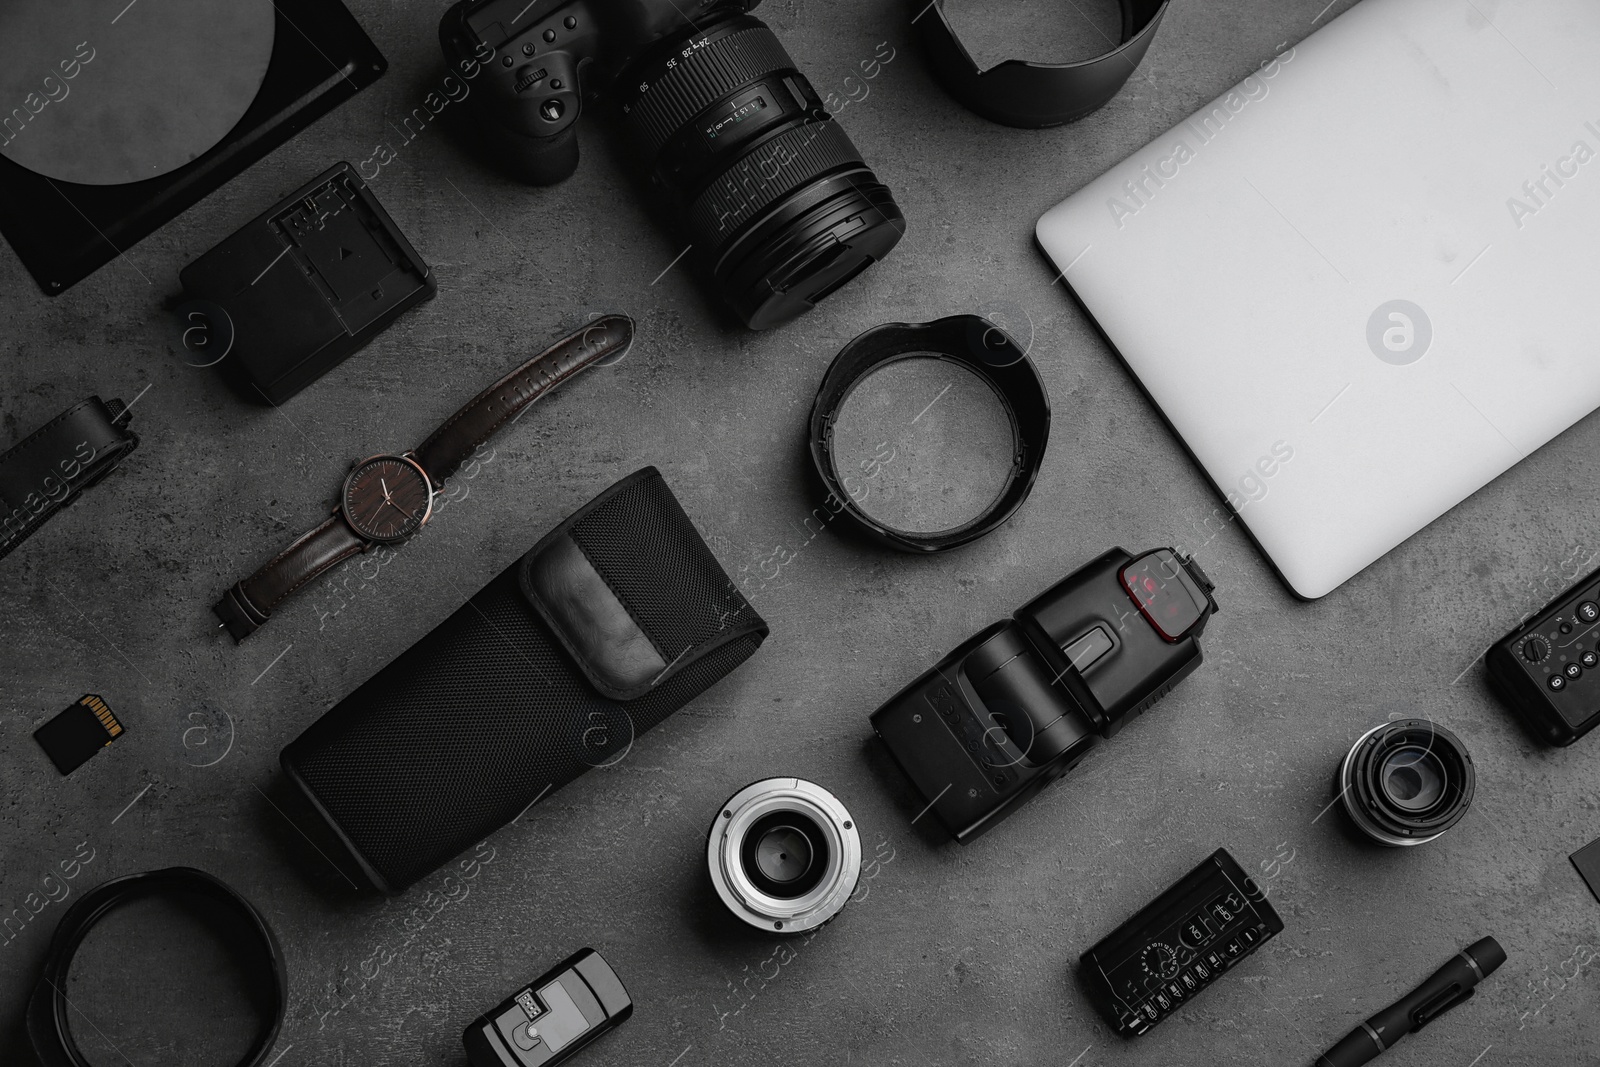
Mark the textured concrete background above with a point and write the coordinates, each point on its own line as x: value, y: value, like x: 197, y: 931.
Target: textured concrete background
x: 954, y: 955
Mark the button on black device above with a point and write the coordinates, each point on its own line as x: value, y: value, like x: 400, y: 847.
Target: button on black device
x: 551, y: 1018
x: 1556, y: 700
x: 1126, y: 973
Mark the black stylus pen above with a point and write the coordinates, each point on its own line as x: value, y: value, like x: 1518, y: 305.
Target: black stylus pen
x: 1447, y: 987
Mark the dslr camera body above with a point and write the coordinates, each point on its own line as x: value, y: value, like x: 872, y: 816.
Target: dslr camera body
x: 1018, y: 704
x: 771, y: 191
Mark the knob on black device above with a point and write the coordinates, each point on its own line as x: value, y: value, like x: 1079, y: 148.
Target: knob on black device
x: 551, y: 1018
x: 1018, y: 704
x: 1548, y: 669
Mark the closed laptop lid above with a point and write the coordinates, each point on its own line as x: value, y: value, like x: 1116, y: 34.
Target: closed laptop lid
x: 1362, y: 283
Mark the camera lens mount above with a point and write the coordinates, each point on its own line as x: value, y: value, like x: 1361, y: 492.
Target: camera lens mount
x: 1406, y: 782
x: 784, y: 855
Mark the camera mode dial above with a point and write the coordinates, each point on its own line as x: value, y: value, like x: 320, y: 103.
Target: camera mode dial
x: 1159, y: 959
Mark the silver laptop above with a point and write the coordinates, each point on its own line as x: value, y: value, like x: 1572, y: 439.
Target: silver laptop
x: 1365, y: 281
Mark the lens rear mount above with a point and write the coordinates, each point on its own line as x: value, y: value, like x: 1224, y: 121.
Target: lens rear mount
x: 784, y: 855
x: 1404, y: 783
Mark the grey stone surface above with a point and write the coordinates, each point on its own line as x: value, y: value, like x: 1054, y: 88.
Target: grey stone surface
x: 954, y: 955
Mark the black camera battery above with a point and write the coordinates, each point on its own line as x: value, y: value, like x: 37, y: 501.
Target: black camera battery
x: 1548, y: 669
x: 1178, y: 944
x: 299, y: 289
x: 552, y: 1017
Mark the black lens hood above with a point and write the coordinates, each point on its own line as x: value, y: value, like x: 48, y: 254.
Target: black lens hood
x: 970, y: 341
x: 1032, y: 96
x: 47, y: 1024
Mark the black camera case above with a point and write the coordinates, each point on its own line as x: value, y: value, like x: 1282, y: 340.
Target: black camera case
x: 616, y: 618
x: 1018, y: 704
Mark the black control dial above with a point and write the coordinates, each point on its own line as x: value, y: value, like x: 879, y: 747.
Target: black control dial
x: 1536, y: 650
x: 1159, y: 959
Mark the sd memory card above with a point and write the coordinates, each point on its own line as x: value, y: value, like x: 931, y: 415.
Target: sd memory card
x: 77, y: 733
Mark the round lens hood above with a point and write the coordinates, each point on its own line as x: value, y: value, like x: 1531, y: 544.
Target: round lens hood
x: 784, y: 855
x: 1406, y: 782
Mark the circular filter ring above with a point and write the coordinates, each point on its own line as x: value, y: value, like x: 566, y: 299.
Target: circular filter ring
x: 1393, y: 807
x: 779, y: 811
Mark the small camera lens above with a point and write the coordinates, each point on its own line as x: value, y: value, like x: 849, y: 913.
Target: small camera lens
x: 1406, y: 782
x: 784, y: 855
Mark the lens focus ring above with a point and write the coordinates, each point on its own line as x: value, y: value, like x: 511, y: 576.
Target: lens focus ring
x: 702, y: 77
x: 772, y: 171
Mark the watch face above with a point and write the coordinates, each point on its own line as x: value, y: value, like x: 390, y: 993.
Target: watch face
x: 387, y: 498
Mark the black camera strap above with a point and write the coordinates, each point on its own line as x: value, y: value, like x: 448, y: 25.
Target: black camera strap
x: 45, y: 471
x: 970, y: 341
x: 48, y: 1009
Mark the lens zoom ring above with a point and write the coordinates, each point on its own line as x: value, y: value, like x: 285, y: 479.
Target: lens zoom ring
x: 707, y: 74
x: 766, y: 175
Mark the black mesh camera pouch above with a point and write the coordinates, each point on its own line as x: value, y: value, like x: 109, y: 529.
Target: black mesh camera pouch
x: 617, y: 618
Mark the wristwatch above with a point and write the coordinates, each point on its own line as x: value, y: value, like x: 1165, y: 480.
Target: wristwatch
x: 386, y: 498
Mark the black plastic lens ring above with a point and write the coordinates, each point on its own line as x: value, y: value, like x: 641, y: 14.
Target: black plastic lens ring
x: 970, y: 341
x: 47, y: 1022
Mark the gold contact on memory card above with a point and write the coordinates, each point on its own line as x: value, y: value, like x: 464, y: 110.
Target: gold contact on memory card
x: 102, y: 712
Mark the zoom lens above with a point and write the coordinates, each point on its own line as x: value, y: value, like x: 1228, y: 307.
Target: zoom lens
x: 784, y: 855
x: 772, y: 192
x: 1405, y: 783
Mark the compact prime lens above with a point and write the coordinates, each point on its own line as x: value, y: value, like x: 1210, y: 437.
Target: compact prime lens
x: 770, y: 188
x: 1406, y: 782
x: 784, y: 855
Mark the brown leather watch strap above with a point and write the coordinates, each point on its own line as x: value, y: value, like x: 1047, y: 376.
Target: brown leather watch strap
x: 248, y: 604
x: 453, y: 443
